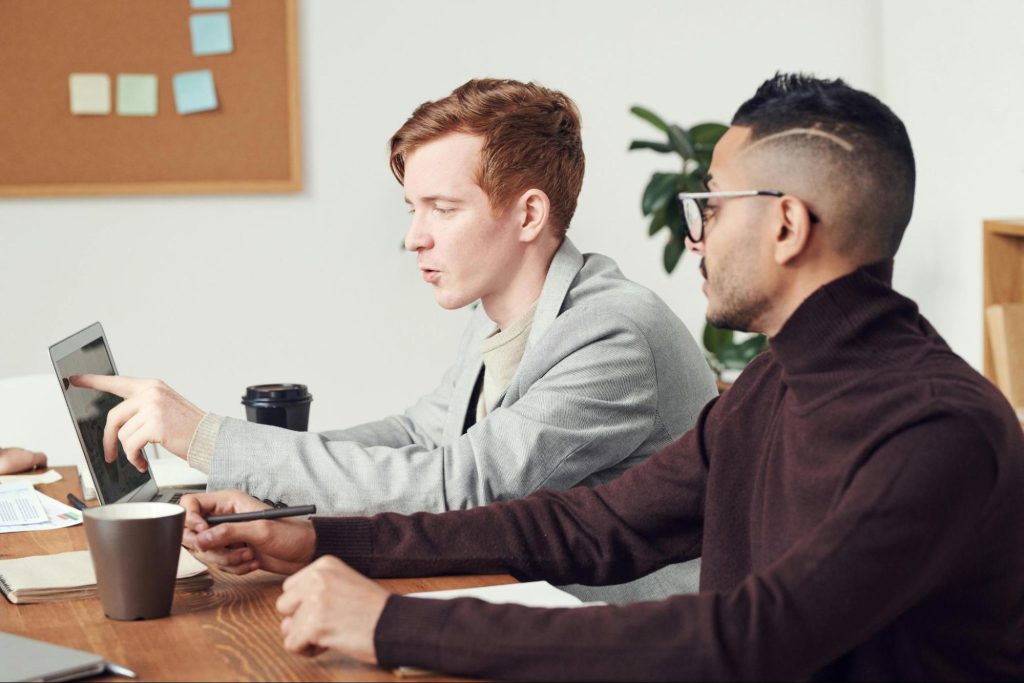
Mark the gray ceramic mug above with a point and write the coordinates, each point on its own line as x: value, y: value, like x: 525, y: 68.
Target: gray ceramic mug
x: 135, y: 549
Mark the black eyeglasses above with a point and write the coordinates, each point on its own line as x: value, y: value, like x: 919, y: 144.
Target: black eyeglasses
x: 692, y: 206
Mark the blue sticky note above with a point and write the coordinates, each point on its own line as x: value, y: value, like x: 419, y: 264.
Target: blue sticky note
x: 194, y: 92
x: 211, y: 34
x: 211, y: 4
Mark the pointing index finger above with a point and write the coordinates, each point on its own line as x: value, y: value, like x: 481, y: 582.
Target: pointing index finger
x: 112, y: 384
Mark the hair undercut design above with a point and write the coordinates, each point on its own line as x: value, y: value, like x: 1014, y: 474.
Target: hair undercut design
x: 531, y: 140
x: 862, y: 143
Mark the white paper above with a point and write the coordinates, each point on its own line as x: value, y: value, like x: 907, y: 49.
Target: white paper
x: 19, y: 505
x: 47, y: 477
x: 57, y: 515
x: 530, y: 594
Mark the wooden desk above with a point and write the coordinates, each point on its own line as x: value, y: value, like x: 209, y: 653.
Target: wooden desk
x: 230, y: 632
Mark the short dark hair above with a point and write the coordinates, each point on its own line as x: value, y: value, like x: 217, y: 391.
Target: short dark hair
x: 883, y: 172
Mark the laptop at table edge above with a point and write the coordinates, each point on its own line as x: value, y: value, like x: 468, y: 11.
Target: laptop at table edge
x: 28, y: 659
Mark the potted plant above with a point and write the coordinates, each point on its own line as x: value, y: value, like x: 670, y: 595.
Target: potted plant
x: 726, y: 354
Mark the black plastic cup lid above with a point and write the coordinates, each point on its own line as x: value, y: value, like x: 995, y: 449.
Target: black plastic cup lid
x: 276, y: 393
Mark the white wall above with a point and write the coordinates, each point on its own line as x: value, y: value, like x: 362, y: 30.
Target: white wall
x: 953, y: 74
x: 214, y: 293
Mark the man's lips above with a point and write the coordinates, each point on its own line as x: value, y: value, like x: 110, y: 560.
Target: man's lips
x: 430, y: 274
x: 703, y: 269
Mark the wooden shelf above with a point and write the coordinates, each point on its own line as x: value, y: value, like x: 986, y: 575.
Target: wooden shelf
x: 1003, y: 274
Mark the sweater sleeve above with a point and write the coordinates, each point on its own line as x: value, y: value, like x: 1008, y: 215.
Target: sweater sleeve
x: 600, y: 536
x: 896, y: 532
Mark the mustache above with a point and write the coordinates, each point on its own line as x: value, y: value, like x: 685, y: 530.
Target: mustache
x: 703, y: 269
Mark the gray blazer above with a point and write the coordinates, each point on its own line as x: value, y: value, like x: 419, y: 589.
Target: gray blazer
x: 609, y: 375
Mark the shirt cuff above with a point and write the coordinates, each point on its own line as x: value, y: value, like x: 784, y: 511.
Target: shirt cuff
x: 347, y: 538
x: 200, y: 450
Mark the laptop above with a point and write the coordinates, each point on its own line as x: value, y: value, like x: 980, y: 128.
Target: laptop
x: 87, y: 352
x: 25, y: 659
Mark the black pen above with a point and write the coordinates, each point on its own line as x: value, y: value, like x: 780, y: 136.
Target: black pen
x: 272, y: 513
x: 76, y: 502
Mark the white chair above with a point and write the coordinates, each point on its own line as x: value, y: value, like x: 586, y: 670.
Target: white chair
x: 33, y: 416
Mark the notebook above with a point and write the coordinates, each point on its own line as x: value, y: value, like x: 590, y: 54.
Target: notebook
x: 70, y: 576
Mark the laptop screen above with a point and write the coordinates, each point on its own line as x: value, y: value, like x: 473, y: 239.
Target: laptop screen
x: 82, y: 353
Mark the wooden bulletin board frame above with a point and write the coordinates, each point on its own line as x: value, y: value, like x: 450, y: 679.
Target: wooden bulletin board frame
x: 251, y: 143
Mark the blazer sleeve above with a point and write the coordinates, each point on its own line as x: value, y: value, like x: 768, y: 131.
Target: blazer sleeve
x: 595, y: 404
x: 420, y: 425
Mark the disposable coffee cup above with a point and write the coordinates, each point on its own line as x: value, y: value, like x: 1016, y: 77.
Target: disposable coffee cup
x: 280, y: 405
x: 135, y: 549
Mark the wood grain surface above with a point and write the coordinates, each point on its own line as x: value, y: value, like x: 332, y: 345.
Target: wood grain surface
x: 230, y: 632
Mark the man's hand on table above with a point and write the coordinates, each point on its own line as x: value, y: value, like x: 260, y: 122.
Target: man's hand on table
x: 151, y: 412
x: 326, y: 605
x: 13, y: 460
x: 330, y: 606
x: 283, y: 546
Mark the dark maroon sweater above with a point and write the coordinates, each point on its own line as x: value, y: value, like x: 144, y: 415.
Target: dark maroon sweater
x: 857, y: 497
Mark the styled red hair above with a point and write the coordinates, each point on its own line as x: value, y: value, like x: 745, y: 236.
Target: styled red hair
x: 531, y: 140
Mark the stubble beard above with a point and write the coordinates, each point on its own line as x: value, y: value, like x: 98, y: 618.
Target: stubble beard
x: 737, y: 308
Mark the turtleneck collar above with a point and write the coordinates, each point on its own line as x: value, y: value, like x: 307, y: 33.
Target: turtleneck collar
x: 853, y: 324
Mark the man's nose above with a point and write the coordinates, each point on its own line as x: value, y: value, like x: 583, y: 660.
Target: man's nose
x: 695, y: 247
x: 417, y: 236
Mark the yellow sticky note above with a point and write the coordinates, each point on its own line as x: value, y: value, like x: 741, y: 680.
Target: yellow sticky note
x: 90, y: 94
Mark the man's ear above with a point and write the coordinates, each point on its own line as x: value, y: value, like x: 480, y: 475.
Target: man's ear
x: 534, y: 210
x: 793, y: 234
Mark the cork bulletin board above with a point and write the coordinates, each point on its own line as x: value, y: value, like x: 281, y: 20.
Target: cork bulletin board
x: 249, y: 143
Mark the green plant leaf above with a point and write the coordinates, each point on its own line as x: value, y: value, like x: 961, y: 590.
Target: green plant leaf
x: 703, y: 163
x: 707, y: 134
x: 650, y: 117
x: 673, y: 252
x: 680, y: 141
x: 662, y: 147
x: 659, y: 190
x: 673, y: 218
x: 694, y: 181
x: 660, y: 219
x: 737, y: 356
x: 715, y: 339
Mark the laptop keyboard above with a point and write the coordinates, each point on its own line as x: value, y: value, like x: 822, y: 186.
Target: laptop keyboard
x: 175, y: 497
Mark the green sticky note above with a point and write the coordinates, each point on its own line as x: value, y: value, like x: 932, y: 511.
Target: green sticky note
x: 136, y: 95
x: 211, y: 4
x: 90, y: 93
x: 211, y: 34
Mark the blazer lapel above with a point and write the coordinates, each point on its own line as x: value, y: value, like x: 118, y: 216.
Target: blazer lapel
x: 565, y: 266
x: 466, y: 380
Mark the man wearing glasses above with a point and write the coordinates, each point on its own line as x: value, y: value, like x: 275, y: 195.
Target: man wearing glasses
x: 856, y: 494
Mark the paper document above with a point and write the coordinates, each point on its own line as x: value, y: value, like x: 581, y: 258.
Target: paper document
x: 20, y: 505
x: 55, y: 514
x: 530, y: 594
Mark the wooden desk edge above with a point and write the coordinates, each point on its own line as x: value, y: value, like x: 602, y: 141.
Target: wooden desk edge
x: 28, y: 619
